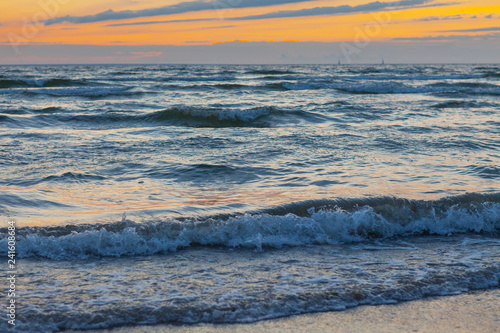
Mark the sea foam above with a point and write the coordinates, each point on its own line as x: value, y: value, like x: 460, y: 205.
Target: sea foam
x: 255, y: 231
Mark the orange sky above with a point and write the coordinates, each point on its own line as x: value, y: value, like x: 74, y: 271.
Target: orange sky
x: 409, y: 21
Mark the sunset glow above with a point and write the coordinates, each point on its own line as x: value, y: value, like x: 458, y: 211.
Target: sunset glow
x: 153, y: 22
x: 427, y: 18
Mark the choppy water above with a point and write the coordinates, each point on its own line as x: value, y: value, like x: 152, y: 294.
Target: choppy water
x: 249, y: 192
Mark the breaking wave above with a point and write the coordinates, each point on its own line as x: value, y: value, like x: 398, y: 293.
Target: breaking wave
x: 297, y: 224
x: 178, y: 116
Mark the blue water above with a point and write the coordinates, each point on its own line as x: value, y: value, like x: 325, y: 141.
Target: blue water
x: 202, y: 175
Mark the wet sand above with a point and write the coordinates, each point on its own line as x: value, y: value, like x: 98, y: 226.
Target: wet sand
x: 470, y: 312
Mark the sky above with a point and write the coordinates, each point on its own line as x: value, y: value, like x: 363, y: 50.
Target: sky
x: 249, y: 31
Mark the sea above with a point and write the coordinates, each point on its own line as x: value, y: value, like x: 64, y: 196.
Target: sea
x: 186, y: 194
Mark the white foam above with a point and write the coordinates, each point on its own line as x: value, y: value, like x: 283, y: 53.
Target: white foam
x: 234, y: 114
x: 253, y: 232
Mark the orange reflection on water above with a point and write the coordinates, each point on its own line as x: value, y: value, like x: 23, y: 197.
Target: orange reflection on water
x: 152, y: 201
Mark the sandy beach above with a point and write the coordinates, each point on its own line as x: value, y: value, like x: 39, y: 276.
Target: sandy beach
x: 471, y: 312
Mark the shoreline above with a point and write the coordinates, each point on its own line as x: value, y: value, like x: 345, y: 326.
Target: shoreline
x: 475, y: 311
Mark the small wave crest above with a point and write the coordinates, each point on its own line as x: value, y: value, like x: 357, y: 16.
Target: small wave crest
x: 485, y: 171
x: 67, y: 177
x: 454, y: 104
x: 225, y: 117
x: 437, y: 88
x: 72, y: 177
x: 53, y: 82
x: 270, y: 72
x: 210, y: 116
x: 200, y: 78
x: 187, y: 116
x: 399, y: 77
x: 75, y: 90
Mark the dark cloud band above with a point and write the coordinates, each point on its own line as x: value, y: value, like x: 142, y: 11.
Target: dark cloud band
x: 489, y: 29
x: 183, y: 7
x: 344, y: 9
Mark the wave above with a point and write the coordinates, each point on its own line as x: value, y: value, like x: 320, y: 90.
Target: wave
x: 12, y: 84
x: 415, y: 77
x: 199, y: 78
x: 246, y: 304
x: 8, y: 200
x: 390, y: 87
x: 470, y: 85
x: 401, y: 88
x: 363, y: 88
x: 49, y: 109
x: 53, y: 82
x: 492, y: 74
x: 381, y: 87
x: 127, y: 72
x: 222, y: 117
x: 366, y: 70
x: 67, y: 177
x: 210, y: 116
x: 456, y: 104
x: 143, y: 78
x: 486, y: 172
x: 285, y: 86
x: 274, y: 86
x: 88, y: 92
x: 296, y: 224
x: 279, y: 81
x: 4, y: 118
x: 293, y: 77
x: 72, y: 177
x: 231, y: 86
x: 225, y: 86
x: 203, y: 173
x: 270, y: 72
x: 183, y: 116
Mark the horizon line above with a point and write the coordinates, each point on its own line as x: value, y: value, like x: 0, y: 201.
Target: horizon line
x: 254, y: 64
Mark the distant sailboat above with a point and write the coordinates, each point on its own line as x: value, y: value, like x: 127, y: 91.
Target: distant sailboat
x: 383, y: 62
x: 339, y: 62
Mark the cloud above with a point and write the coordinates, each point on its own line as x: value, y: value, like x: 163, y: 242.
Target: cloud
x: 218, y: 27
x: 183, y: 7
x: 344, y: 9
x: 449, y: 38
x: 449, y: 17
x: 441, y: 18
x: 489, y: 29
x: 157, y: 22
x: 60, y: 29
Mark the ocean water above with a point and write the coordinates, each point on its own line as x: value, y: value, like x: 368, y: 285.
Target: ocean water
x: 170, y: 194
